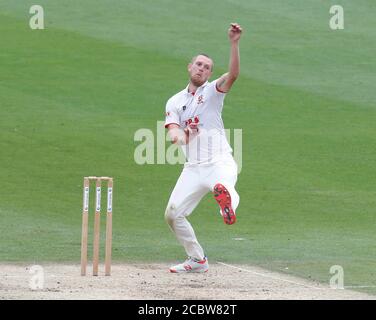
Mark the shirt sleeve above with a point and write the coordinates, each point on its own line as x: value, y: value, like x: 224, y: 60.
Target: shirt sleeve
x: 216, y: 95
x: 172, y: 115
x: 217, y: 90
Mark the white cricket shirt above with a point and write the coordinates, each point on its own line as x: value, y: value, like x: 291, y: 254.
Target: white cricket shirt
x: 204, y: 107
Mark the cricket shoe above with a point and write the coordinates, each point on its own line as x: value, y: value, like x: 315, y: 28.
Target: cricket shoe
x: 191, y: 265
x: 223, y: 197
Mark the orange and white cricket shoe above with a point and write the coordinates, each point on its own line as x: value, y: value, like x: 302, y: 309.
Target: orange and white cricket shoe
x: 191, y: 265
x: 223, y: 197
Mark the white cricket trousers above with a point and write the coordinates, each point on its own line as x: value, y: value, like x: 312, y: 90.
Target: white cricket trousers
x: 193, y: 184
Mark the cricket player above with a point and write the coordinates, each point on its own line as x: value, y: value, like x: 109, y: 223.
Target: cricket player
x: 194, y: 121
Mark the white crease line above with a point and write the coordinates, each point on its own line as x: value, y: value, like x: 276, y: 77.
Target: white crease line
x: 301, y: 284
x: 270, y: 277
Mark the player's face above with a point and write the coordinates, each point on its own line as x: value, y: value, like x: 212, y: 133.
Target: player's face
x: 200, y: 70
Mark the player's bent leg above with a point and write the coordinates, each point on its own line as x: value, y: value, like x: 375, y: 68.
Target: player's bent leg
x: 183, y: 231
x: 223, y: 197
x: 170, y: 214
x: 222, y: 178
x: 184, y: 198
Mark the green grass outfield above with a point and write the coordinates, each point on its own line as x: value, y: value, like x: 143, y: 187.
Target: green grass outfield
x: 73, y: 95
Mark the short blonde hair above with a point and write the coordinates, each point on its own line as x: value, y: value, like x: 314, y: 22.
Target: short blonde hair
x: 205, y: 55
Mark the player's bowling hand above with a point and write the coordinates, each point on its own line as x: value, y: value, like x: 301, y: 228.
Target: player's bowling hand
x: 234, y: 32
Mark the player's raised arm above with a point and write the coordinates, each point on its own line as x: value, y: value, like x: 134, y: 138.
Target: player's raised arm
x: 226, y: 81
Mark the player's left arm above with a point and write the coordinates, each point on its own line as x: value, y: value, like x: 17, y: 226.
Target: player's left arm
x: 225, y: 82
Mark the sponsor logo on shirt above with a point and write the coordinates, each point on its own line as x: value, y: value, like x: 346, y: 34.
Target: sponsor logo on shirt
x: 194, y: 119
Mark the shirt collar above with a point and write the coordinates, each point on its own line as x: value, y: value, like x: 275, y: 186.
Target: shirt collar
x: 203, y: 86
